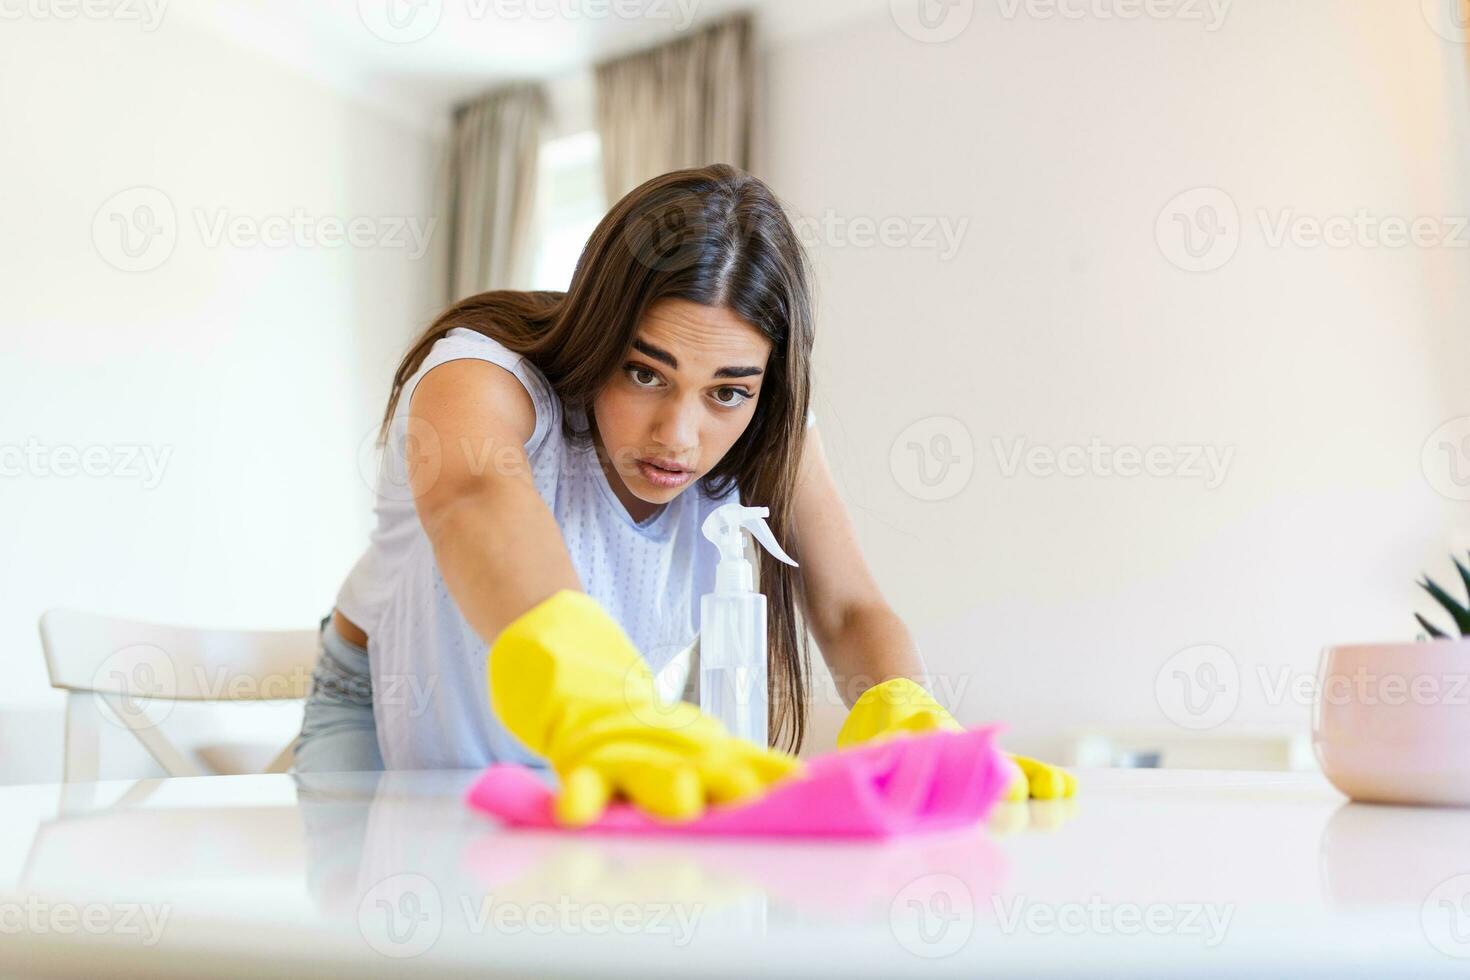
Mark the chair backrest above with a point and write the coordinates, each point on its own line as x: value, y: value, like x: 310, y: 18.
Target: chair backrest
x: 124, y: 665
x: 89, y: 652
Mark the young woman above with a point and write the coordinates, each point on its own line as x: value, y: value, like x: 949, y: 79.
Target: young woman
x: 544, y: 448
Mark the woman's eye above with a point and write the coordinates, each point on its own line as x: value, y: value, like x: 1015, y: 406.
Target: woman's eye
x: 735, y: 397
x: 642, y: 377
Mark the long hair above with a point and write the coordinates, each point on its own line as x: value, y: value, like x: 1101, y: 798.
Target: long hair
x: 716, y: 236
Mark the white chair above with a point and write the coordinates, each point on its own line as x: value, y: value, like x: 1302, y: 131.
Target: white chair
x: 133, y: 672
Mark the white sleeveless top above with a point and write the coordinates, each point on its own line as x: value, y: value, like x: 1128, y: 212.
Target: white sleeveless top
x: 430, y: 699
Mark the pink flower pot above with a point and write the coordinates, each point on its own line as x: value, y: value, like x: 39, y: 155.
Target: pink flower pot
x: 1391, y: 722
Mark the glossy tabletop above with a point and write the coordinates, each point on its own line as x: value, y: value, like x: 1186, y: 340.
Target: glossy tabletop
x: 1148, y: 872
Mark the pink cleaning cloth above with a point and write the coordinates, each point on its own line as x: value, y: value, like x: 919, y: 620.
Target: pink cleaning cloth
x: 901, y: 785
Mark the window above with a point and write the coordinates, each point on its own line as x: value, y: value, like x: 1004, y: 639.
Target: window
x: 569, y: 204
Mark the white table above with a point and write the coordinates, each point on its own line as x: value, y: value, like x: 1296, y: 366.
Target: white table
x: 1147, y: 873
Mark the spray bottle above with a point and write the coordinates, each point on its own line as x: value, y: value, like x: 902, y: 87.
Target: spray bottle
x: 732, y: 625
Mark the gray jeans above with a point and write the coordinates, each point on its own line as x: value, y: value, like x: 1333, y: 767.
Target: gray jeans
x: 338, y: 733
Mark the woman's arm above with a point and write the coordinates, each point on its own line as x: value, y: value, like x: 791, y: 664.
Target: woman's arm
x: 862, y: 640
x: 497, y: 543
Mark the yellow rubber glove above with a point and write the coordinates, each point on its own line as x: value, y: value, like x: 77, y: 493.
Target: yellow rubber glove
x: 900, y: 705
x: 567, y: 681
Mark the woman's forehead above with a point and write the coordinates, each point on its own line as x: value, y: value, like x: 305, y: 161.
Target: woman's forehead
x: 705, y: 336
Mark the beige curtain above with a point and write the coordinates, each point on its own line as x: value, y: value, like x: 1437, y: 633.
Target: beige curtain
x: 684, y: 104
x: 491, y: 190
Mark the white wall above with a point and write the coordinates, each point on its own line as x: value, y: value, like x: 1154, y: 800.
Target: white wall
x: 1054, y: 602
x: 258, y: 369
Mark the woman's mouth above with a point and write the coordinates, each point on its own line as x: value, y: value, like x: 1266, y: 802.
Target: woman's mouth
x: 664, y: 476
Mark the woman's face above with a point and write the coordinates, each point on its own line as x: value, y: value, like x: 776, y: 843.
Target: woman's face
x: 683, y: 395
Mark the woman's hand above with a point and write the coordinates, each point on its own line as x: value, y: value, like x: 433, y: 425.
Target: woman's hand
x: 566, y: 680
x: 900, y: 705
x: 1039, y: 781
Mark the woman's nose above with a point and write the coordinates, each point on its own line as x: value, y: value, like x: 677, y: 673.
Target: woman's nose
x: 677, y: 426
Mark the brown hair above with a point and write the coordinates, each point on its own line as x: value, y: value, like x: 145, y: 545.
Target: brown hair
x: 716, y: 236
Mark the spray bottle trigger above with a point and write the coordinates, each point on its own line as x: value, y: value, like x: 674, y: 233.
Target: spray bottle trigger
x: 762, y: 532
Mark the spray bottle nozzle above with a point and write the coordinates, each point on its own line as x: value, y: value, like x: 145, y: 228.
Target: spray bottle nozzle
x: 724, y: 526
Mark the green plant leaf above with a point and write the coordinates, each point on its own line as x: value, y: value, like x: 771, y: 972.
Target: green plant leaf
x: 1430, y: 628
x: 1464, y: 574
x: 1459, y: 613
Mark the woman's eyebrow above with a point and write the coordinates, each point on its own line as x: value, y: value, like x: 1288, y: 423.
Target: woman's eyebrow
x: 659, y: 354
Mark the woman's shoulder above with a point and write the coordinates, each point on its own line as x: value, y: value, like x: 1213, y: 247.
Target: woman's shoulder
x: 462, y: 342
